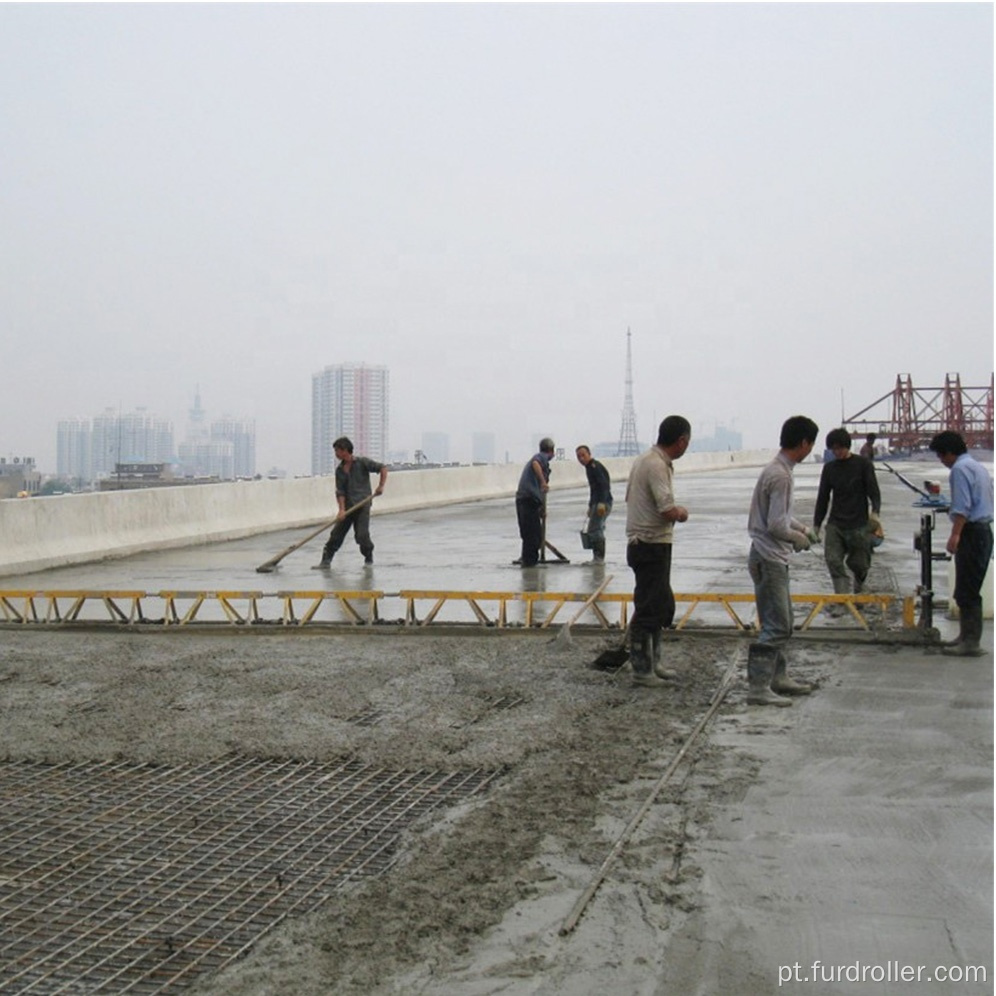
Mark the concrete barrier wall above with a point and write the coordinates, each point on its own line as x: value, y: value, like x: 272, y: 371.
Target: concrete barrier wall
x: 38, y: 533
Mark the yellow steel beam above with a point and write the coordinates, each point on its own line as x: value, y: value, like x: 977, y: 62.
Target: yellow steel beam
x: 22, y: 606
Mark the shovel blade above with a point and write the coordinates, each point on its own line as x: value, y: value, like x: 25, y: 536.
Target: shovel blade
x: 610, y: 660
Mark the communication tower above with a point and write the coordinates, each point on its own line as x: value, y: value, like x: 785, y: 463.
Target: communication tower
x: 628, y: 443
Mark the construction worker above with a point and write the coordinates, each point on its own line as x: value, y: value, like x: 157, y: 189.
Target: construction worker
x: 971, y: 539
x: 599, y: 502
x: 850, y: 480
x: 775, y: 533
x: 352, y: 485
x: 651, y: 513
x: 530, y: 502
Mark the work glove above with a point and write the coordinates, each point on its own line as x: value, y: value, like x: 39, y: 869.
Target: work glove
x: 874, y: 521
x: 600, y: 510
x: 813, y: 535
x: 800, y: 542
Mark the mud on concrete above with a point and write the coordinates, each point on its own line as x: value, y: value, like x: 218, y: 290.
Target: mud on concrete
x: 476, y: 904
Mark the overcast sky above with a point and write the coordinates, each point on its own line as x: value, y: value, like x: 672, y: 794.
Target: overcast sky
x: 785, y: 203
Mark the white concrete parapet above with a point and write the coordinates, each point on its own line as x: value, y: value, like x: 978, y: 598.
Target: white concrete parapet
x: 39, y: 533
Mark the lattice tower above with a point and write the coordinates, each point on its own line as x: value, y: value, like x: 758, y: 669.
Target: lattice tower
x: 628, y: 443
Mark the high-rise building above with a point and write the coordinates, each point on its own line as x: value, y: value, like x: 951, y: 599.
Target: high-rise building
x: 132, y: 437
x: 208, y: 458
x: 351, y: 400
x: 226, y: 449
x: 241, y: 433
x: 72, y: 450
x: 482, y: 447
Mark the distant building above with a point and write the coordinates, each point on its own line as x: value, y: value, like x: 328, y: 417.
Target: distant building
x: 721, y: 441
x: 350, y: 399
x: 241, y: 433
x: 18, y: 477
x: 135, y: 476
x: 482, y: 447
x: 208, y: 458
x: 132, y: 437
x: 73, y: 461
x: 435, y: 447
x: 225, y: 450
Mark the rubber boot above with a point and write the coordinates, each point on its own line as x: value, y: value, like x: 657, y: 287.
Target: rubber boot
x: 960, y: 638
x: 971, y: 634
x: 640, y: 658
x: 326, y: 562
x: 785, y: 685
x: 598, y: 551
x: 656, y: 656
x: 760, y: 672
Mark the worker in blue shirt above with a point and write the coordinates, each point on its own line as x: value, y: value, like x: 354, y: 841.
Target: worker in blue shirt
x: 971, y: 539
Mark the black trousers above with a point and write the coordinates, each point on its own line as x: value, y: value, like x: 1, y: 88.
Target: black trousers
x: 359, y: 522
x: 530, y: 515
x: 975, y: 550
x: 653, y: 599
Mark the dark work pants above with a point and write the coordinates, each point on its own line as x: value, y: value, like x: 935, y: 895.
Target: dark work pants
x: 975, y: 549
x: 359, y: 522
x: 653, y: 600
x: 530, y: 515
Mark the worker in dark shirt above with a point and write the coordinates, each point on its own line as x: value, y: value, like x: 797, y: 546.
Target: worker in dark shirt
x: 352, y: 488
x: 599, y: 502
x: 848, y: 487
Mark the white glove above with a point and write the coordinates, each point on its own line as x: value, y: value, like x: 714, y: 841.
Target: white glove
x: 800, y: 542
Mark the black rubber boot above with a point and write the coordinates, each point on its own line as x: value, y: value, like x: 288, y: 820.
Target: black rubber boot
x: 971, y: 634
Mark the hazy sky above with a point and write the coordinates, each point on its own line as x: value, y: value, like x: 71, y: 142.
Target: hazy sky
x: 784, y: 202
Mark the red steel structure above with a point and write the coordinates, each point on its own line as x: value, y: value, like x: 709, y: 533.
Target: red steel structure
x: 910, y: 416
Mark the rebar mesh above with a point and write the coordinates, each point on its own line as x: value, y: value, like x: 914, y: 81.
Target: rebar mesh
x: 126, y: 878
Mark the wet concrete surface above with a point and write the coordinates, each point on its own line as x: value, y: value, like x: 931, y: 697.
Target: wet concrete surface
x: 865, y: 838
x: 472, y: 547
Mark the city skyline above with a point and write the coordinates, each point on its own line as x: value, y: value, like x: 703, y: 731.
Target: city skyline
x: 788, y: 204
x: 90, y: 448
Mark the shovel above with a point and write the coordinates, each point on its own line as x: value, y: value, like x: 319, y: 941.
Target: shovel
x: 268, y: 567
x: 563, y: 638
x: 614, y: 658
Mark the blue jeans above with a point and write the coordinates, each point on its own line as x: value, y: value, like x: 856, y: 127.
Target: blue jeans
x: 773, y: 598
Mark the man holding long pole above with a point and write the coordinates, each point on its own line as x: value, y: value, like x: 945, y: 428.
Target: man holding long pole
x: 352, y: 485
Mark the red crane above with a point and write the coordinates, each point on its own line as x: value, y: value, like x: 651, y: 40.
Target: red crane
x: 909, y: 416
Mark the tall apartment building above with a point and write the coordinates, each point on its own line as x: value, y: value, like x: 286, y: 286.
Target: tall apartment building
x: 129, y: 437
x: 73, y: 460
x: 241, y: 433
x: 350, y: 399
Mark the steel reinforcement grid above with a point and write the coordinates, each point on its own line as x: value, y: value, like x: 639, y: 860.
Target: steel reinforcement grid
x: 137, y: 878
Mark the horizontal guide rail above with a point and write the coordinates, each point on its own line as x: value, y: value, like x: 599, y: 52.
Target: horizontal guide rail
x: 418, y: 608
